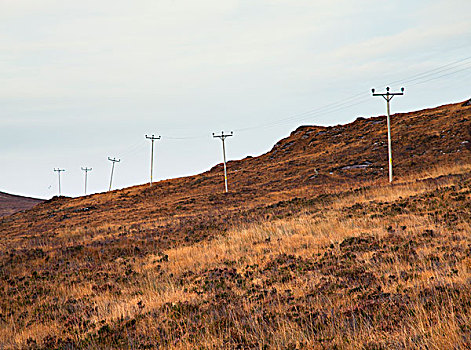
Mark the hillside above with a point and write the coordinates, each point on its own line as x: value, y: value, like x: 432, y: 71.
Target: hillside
x: 310, y: 161
x: 312, y: 248
x: 10, y: 204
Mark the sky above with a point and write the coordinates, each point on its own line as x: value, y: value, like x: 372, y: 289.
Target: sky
x: 81, y: 81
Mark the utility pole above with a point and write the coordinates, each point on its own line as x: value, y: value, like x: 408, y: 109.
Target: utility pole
x: 59, y: 170
x: 86, y: 175
x: 152, y: 138
x: 388, y: 96
x: 223, y: 138
x: 114, y: 160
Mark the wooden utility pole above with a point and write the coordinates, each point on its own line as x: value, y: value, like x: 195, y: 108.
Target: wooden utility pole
x: 86, y: 175
x: 114, y: 160
x: 58, y: 170
x: 152, y: 138
x: 388, y: 96
x: 223, y: 138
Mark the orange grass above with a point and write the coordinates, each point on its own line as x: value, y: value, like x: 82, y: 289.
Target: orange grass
x: 415, y: 295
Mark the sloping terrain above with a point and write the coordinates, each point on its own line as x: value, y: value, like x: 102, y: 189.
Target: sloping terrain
x: 310, y: 161
x: 10, y: 204
x: 312, y: 248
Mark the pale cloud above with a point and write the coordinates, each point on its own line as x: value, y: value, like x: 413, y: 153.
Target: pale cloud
x: 411, y: 39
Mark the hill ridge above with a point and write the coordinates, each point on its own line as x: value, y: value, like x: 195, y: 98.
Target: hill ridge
x: 312, y: 159
x: 12, y: 203
x: 311, y: 248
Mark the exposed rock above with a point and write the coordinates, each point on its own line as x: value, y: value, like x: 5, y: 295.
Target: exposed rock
x: 363, y: 165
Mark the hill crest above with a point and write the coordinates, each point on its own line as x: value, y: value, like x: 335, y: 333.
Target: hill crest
x: 11, y: 203
x: 311, y: 160
x: 311, y: 248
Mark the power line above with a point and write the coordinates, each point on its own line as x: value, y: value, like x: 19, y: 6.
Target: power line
x: 223, y: 138
x: 431, y: 71
x: 132, y: 149
x: 350, y: 101
x: 346, y: 102
x: 58, y: 170
x: 316, y: 116
x: 183, y: 137
x: 388, y: 96
x: 152, y: 138
x: 461, y: 65
x: 86, y: 175
x: 114, y: 160
x: 441, y: 76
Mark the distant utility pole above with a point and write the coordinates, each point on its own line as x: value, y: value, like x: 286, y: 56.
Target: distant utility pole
x: 58, y: 170
x: 86, y: 175
x: 152, y: 138
x: 388, y: 96
x: 223, y: 138
x: 114, y: 160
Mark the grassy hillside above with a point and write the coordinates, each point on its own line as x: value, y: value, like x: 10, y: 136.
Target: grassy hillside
x: 292, y: 258
x: 312, y: 160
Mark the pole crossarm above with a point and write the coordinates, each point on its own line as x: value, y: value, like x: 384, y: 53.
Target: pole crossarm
x: 152, y: 138
x: 388, y: 96
x: 223, y: 137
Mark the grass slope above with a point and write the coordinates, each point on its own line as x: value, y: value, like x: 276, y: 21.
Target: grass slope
x: 293, y: 260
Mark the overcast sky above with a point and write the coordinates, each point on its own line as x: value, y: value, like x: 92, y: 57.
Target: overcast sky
x: 84, y: 80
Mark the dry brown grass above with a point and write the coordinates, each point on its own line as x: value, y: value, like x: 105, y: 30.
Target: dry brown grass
x: 287, y: 260
x: 397, y: 289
